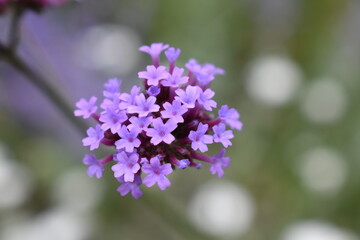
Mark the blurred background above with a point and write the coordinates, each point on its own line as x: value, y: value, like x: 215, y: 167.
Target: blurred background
x: 292, y: 71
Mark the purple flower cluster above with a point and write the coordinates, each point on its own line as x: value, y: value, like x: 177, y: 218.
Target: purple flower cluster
x: 161, y: 128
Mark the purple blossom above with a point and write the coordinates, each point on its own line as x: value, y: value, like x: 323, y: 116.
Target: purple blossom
x: 128, y: 140
x: 175, y: 79
x: 95, y: 167
x: 218, y: 162
x: 85, y: 108
x: 163, y: 122
x: 144, y: 106
x: 127, y: 166
x: 220, y: 135
x: 153, y: 75
x: 212, y: 69
x: 139, y: 123
x: 172, y: 54
x: 154, y: 49
x: 133, y: 187
x: 112, y: 120
x: 110, y: 103
x: 193, y: 66
x: 205, y: 99
x: 230, y: 117
x: 204, y: 74
x: 95, y: 135
x: 161, y: 131
x: 174, y: 111
x: 189, y: 96
x: 129, y: 99
x: 183, y: 163
x: 199, y: 138
x: 156, y: 173
x: 112, y: 88
x: 153, y: 91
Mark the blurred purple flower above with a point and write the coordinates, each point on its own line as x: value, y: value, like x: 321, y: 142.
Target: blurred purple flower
x: 95, y: 135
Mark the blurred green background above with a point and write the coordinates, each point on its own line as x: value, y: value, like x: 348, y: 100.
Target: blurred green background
x: 292, y: 71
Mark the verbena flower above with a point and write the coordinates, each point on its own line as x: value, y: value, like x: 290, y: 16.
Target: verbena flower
x: 165, y: 126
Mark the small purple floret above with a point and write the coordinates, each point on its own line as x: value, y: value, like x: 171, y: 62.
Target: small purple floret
x: 199, y: 138
x: 95, y: 167
x: 230, y: 117
x: 205, y: 99
x: 139, y: 123
x: 128, y: 140
x: 189, y: 96
x: 95, y: 135
x: 133, y: 187
x: 156, y: 173
x: 222, y: 135
x: 174, y: 111
x: 112, y: 120
x: 127, y: 166
x: 153, y: 75
x: 112, y: 88
x: 183, y: 163
x: 129, y: 99
x: 153, y: 91
x: 161, y: 131
x: 85, y: 108
x: 175, y: 79
x: 144, y: 106
x: 154, y: 49
x: 218, y: 162
x: 172, y: 54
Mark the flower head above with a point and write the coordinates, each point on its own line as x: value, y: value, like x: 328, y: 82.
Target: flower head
x: 167, y: 125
